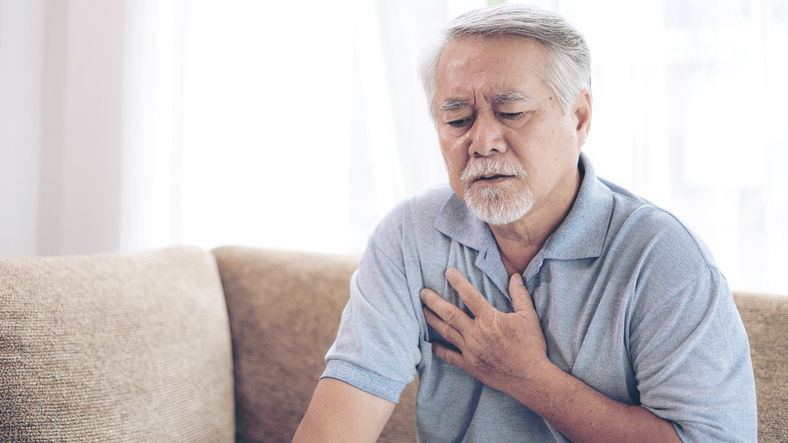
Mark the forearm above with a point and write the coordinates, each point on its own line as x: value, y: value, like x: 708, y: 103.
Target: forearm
x: 585, y: 415
x: 339, y: 412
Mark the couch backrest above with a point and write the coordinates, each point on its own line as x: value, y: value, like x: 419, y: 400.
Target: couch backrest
x: 269, y: 291
x: 115, y: 348
x: 284, y: 310
x: 766, y: 319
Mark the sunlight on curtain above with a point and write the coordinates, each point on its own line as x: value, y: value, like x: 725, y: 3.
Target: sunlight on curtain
x: 153, y: 114
x: 267, y: 125
x: 304, y: 123
x: 688, y: 108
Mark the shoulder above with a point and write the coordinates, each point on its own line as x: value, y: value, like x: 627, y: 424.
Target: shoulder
x: 637, y: 222
x: 409, y: 225
x: 658, y: 251
x: 418, y: 212
x: 426, y: 205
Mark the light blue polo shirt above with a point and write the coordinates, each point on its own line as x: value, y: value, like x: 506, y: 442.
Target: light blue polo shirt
x: 630, y: 302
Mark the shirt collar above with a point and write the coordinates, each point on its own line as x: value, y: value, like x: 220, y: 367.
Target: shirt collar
x: 457, y: 222
x: 581, y: 234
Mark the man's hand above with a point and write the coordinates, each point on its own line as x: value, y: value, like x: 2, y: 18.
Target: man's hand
x: 502, y: 350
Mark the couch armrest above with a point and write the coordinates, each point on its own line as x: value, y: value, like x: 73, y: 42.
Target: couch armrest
x: 115, y: 347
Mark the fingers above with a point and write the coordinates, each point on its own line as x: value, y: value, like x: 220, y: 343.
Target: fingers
x: 521, y: 299
x: 469, y: 295
x: 444, y: 328
x: 451, y: 357
x: 449, y: 320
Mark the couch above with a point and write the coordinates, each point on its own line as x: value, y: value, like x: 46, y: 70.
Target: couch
x: 186, y: 345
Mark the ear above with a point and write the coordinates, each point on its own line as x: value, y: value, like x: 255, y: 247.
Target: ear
x: 582, y: 114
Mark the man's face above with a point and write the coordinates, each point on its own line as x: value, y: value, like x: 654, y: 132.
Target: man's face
x: 509, y: 148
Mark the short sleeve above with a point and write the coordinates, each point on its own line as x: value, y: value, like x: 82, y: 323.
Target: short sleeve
x: 692, y: 362
x: 377, y: 345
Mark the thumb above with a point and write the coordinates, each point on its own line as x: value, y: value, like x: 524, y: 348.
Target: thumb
x: 521, y: 299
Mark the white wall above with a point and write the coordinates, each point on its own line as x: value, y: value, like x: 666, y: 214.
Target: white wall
x: 61, y: 125
x: 21, y: 46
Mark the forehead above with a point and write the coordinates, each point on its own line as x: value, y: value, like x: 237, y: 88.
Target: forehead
x: 489, y: 65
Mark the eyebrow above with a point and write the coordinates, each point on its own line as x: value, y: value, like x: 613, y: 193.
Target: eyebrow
x: 455, y: 104
x: 508, y: 96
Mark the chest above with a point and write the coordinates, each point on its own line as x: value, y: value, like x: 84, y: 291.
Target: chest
x: 585, y: 318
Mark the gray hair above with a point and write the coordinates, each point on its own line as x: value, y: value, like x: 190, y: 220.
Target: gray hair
x: 568, y: 60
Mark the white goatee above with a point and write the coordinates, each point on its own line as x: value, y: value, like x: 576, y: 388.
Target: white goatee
x: 496, y: 204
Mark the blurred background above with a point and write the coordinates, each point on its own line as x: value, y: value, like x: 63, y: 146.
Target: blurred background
x: 137, y: 124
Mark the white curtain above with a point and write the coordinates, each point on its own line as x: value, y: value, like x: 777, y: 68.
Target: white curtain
x: 61, y: 125
x: 21, y: 43
x: 133, y: 124
x: 153, y: 75
x: 689, y: 106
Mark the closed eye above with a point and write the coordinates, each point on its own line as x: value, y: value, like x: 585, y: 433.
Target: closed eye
x: 460, y: 123
x: 510, y: 115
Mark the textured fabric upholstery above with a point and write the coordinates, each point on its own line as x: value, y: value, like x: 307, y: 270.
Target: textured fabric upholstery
x: 137, y: 347
x: 284, y: 312
x: 120, y: 348
x: 766, y: 319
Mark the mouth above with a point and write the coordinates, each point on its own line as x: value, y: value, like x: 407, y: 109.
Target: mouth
x: 491, y: 172
x: 494, y: 178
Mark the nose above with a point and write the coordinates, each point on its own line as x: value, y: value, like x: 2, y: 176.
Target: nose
x: 486, y: 136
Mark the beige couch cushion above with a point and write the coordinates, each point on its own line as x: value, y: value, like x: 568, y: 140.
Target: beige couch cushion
x: 117, y: 348
x: 284, y: 312
x: 766, y: 319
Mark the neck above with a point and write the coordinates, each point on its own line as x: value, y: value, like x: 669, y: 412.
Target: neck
x: 518, y: 247
x: 520, y: 241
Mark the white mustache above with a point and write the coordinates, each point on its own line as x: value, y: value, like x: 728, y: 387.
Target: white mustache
x: 487, y: 167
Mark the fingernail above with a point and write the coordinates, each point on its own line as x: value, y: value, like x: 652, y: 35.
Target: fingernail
x: 422, y: 293
x: 519, y: 279
x: 449, y: 273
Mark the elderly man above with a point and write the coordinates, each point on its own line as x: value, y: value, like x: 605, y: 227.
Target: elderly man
x: 536, y: 301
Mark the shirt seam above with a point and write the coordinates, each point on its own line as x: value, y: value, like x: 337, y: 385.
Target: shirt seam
x: 674, y: 295
x: 684, y: 228
x: 388, y: 258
